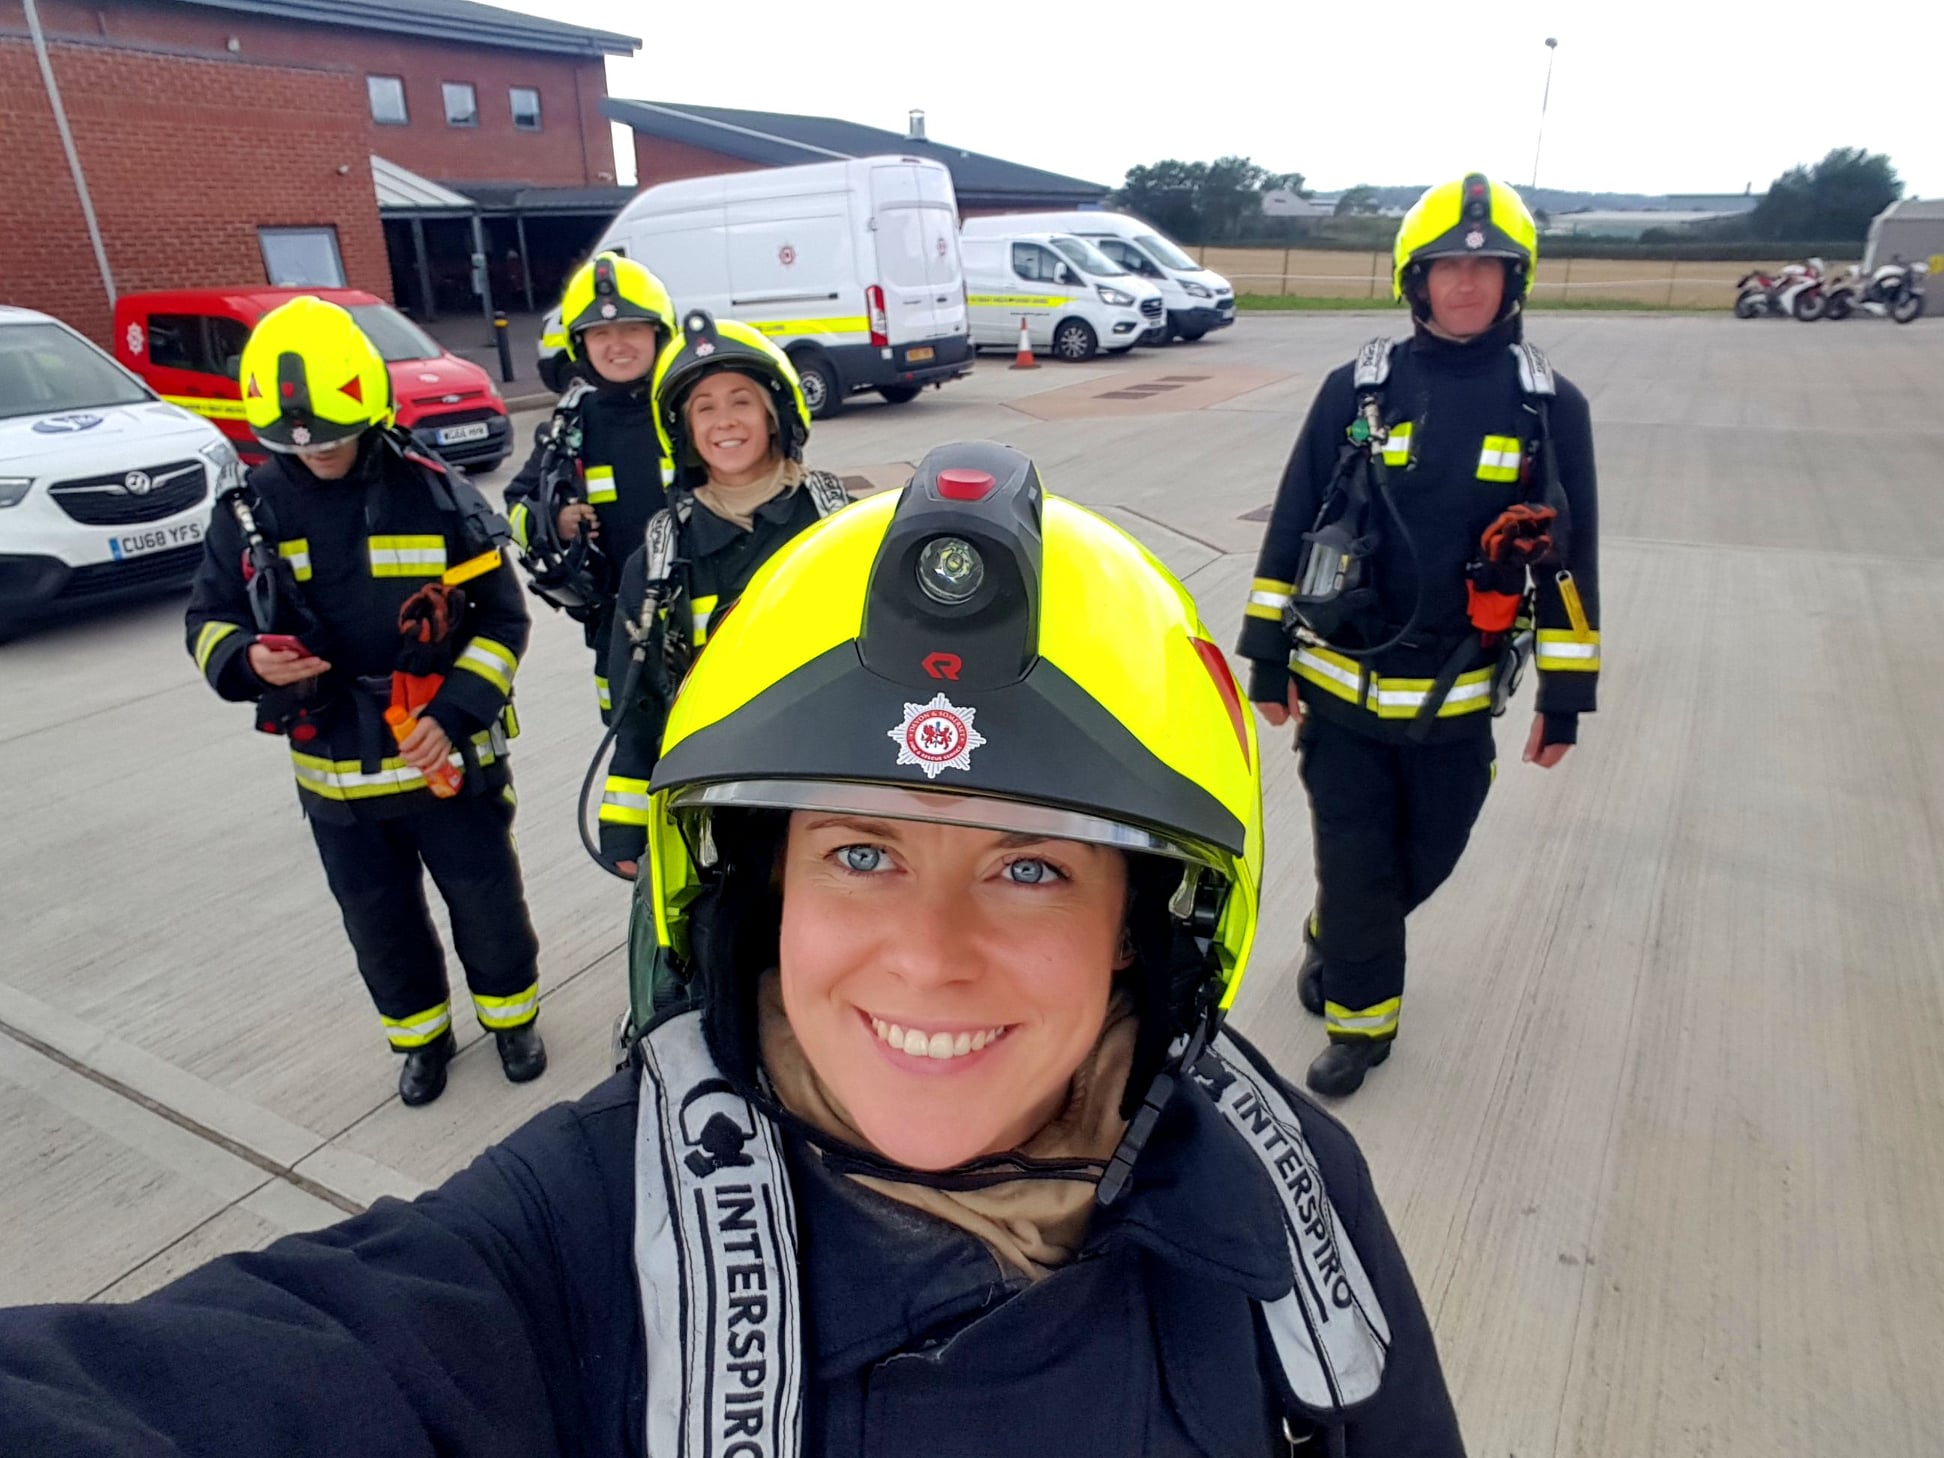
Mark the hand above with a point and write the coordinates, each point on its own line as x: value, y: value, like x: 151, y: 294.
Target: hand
x: 1278, y: 715
x: 571, y: 515
x: 278, y: 669
x: 1537, y: 751
x: 426, y: 747
x: 626, y: 868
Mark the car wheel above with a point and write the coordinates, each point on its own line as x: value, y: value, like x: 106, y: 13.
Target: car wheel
x: 823, y: 393
x: 900, y: 394
x: 1075, y: 341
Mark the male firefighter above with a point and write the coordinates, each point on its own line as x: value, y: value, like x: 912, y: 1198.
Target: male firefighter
x: 1437, y: 525
x: 355, y: 590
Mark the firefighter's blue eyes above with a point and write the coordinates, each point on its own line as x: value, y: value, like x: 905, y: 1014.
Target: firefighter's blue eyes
x: 863, y: 859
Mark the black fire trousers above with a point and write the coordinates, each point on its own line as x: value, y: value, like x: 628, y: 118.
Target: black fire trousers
x: 375, y: 869
x: 1389, y: 822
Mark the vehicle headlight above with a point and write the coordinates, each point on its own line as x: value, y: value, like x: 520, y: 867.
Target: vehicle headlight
x: 13, y: 489
x: 1113, y: 296
x: 224, y: 464
x: 1195, y: 290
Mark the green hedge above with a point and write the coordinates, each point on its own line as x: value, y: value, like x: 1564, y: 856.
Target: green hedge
x: 1335, y: 241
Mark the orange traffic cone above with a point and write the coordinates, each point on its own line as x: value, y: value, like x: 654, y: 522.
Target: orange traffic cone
x: 1024, y: 359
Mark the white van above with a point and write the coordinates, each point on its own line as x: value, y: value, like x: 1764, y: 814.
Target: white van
x: 1198, y: 298
x: 852, y: 267
x: 1074, y: 300
x: 105, y: 487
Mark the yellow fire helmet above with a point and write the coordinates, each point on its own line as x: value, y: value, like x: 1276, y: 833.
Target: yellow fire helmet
x: 974, y: 652
x: 1475, y: 217
x: 708, y: 345
x: 607, y: 289
x: 311, y: 378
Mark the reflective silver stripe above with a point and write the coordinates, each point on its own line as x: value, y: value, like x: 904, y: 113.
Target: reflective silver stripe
x: 494, y: 1012
x: 1275, y: 600
x: 600, y: 484
x: 1305, y: 658
x: 421, y: 1029
x: 1549, y: 649
x: 206, y: 641
x: 601, y: 692
x: 491, y: 661
x: 408, y: 556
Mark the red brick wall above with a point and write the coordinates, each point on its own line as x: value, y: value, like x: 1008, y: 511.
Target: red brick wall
x: 573, y: 147
x: 659, y: 160
x: 185, y: 158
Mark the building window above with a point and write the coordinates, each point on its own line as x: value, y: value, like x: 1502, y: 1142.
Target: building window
x: 526, y: 108
x: 301, y: 258
x: 461, y: 104
x: 387, y: 95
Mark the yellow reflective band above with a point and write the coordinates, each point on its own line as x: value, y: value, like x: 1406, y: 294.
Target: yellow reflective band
x: 473, y: 567
x: 701, y: 609
x: 296, y: 552
x: 494, y: 662
x: 508, y: 1012
x: 345, y: 779
x: 600, y: 484
x: 1498, y: 458
x: 553, y: 341
x: 208, y: 406
x: 1376, y: 1021
x: 855, y: 325
x: 624, y: 801
x: 1562, y: 651
x: 1018, y: 301
x: 601, y: 693
x: 418, y: 1029
x: 408, y: 556
x: 1389, y: 698
x: 1575, y: 609
x: 521, y: 520
x: 1268, y: 598
x: 1397, y: 445
x: 208, y: 638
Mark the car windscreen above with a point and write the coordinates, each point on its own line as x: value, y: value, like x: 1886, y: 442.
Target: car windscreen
x: 45, y: 370
x: 396, y: 337
x: 1165, y: 253
x: 1086, y: 257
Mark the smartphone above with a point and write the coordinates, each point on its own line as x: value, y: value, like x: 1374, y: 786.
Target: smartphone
x: 282, y: 643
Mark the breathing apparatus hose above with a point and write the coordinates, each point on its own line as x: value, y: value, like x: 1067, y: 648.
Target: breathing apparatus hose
x: 639, y: 633
x: 1417, y: 574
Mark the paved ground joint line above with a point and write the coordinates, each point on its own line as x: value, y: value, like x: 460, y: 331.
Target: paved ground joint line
x: 201, y: 1225
x: 256, y: 1159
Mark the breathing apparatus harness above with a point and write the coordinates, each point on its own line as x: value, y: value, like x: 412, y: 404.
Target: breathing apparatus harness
x: 574, y: 577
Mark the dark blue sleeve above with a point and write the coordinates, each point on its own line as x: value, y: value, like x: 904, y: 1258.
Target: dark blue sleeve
x: 496, y: 1315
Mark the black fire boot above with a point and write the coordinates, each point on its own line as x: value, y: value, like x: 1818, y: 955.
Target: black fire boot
x: 522, y: 1054
x: 1309, y: 979
x: 423, y: 1078
x: 1340, y: 1068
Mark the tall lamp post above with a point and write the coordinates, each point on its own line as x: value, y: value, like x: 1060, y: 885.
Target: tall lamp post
x: 1552, y: 48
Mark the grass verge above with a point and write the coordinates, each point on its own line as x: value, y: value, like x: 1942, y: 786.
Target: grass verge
x: 1283, y: 303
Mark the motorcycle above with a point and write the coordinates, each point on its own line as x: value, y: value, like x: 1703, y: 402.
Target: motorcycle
x: 1895, y: 289
x: 1796, y: 291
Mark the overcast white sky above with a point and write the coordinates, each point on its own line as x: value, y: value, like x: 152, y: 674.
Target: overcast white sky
x: 1647, y: 95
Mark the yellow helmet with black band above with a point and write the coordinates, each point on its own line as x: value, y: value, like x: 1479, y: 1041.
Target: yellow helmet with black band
x: 608, y: 289
x: 311, y: 379
x: 972, y: 651
x: 1473, y: 217
x: 708, y: 345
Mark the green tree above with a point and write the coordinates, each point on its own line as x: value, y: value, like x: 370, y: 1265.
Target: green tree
x: 1831, y: 199
x: 1202, y: 202
x: 1360, y: 199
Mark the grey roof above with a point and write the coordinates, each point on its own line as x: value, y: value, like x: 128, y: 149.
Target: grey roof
x: 524, y: 197
x: 454, y: 20
x: 1912, y: 207
x: 400, y: 190
x: 779, y: 139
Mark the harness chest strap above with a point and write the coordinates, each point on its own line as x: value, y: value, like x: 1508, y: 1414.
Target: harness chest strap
x: 716, y: 1256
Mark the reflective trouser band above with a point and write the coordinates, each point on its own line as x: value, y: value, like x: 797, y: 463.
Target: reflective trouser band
x: 1268, y: 598
x: 624, y: 801
x: 701, y: 609
x: 420, y: 1028
x: 1560, y: 651
x: 1498, y: 458
x: 408, y: 556
x: 520, y: 517
x: 208, y: 638
x: 1378, y: 1021
x: 602, y: 694
x: 1390, y: 698
x: 600, y: 484
x: 296, y: 552
x: 1397, y: 445
x: 508, y: 1012
x: 494, y: 662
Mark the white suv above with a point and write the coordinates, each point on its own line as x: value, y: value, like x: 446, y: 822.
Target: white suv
x: 105, y: 488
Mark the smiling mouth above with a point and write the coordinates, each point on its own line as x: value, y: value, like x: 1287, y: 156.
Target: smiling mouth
x: 944, y: 1046
x: 729, y: 442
